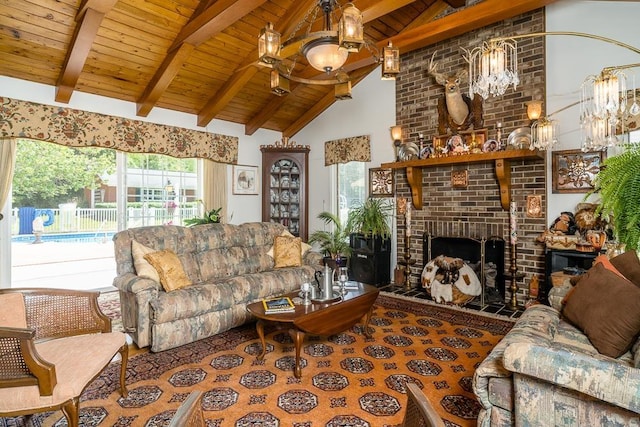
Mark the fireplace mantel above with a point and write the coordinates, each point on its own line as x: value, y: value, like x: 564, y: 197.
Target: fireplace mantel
x: 501, y: 161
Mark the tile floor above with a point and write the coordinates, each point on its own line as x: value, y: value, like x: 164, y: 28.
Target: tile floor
x: 492, y: 305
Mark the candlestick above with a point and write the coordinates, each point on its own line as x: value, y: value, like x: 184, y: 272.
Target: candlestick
x: 513, y: 230
x: 407, y: 217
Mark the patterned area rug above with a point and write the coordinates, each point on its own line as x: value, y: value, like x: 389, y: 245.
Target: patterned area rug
x: 347, y: 380
x: 109, y: 303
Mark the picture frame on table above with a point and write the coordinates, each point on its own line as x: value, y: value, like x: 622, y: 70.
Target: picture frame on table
x: 574, y: 171
x: 380, y: 182
x: 245, y: 179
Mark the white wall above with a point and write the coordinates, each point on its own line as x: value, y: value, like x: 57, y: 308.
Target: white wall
x: 570, y: 59
x: 371, y: 111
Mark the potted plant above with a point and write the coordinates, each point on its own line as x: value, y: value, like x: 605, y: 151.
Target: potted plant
x: 370, y: 220
x: 209, y: 217
x: 618, y: 185
x: 334, y: 243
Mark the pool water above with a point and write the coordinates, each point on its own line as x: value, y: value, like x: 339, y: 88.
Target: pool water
x: 66, y: 237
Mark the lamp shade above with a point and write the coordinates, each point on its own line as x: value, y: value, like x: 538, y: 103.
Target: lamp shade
x: 396, y: 133
x: 325, y: 54
x: 534, y: 109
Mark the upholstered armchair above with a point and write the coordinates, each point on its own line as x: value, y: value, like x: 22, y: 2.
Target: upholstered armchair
x: 53, y: 343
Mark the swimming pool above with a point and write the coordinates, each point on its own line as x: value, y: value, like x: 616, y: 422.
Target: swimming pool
x: 66, y: 237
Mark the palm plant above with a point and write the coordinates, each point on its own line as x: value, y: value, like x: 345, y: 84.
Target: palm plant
x: 371, y: 218
x: 618, y: 184
x: 334, y: 242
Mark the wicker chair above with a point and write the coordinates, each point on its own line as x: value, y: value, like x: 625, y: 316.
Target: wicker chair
x: 189, y: 414
x: 419, y: 411
x: 53, y: 343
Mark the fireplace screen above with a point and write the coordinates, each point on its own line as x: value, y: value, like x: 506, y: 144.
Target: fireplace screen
x: 484, y: 256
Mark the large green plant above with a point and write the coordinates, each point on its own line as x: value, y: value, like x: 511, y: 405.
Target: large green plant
x: 371, y: 218
x: 334, y: 242
x: 618, y: 184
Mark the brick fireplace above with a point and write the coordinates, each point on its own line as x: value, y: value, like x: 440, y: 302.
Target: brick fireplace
x: 474, y: 210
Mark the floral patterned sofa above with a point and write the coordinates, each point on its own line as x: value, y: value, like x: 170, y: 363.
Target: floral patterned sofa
x: 227, y: 267
x: 547, y: 372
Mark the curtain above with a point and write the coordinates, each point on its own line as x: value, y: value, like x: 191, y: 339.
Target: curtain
x: 8, y: 148
x: 77, y: 128
x: 214, y: 191
x: 345, y: 150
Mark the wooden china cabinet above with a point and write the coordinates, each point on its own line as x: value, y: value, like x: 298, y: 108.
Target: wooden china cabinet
x: 285, y: 186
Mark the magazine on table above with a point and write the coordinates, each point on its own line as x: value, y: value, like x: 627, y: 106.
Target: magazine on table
x: 278, y: 305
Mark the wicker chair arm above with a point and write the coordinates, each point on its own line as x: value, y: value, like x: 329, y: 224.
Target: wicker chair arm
x: 21, y: 365
x: 57, y: 313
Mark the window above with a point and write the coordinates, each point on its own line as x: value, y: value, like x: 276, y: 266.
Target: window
x: 351, y: 187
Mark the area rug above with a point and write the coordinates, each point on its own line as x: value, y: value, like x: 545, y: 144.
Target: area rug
x: 109, y: 303
x: 347, y: 380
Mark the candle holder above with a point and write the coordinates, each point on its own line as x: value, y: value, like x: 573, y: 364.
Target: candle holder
x: 408, y: 262
x: 513, y: 270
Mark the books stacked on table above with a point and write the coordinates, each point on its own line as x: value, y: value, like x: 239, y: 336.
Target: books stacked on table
x: 278, y: 305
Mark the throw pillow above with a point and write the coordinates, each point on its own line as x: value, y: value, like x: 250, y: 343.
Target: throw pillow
x: 604, y: 260
x: 169, y: 268
x: 606, y: 307
x: 304, y: 247
x: 13, y: 313
x: 629, y: 265
x: 143, y: 268
x: 286, y: 251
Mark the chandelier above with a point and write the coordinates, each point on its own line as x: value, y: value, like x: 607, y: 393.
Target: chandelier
x: 493, y: 68
x: 326, y: 50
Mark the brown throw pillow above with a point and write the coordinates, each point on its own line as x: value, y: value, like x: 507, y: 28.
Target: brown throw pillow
x: 169, y: 268
x: 606, y: 307
x: 286, y: 251
x: 629, y: 265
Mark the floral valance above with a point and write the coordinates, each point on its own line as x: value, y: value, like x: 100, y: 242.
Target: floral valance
x: 345, y: 150
x: 77, y: 128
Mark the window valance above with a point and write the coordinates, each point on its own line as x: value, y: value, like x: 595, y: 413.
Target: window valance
x: 77, y: 128
x: 345, y: 150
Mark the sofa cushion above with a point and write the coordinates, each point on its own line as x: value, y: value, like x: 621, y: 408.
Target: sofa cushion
x: 287, y: 251
x: 143, y: 267
x: 606, y: 307
x: 169, y: 268
x: 629, y: 265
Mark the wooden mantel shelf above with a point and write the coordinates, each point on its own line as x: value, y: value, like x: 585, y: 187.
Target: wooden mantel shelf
x: 501, y: 161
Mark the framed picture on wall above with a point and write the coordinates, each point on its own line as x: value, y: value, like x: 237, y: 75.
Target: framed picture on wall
x: 380, y: 182
x: 245, y: 179
x: 573, y: 171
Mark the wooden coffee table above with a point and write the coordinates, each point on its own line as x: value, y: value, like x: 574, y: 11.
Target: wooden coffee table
x: 319, y: 318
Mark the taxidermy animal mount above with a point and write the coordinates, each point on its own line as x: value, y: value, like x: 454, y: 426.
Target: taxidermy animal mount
x: 456, y: 111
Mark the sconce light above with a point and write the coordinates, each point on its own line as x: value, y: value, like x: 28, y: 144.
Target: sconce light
x: 396, y: 136
x: 544, y: 134
x: 534, y: 110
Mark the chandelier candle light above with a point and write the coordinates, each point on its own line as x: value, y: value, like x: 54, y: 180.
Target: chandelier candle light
x: 493, y: 68
x: 326, y: 51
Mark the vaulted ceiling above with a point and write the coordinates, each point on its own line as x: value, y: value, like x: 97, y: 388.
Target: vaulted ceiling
x: 199, y: 56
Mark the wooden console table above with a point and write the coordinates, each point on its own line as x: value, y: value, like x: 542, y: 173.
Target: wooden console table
x: 501, y: 161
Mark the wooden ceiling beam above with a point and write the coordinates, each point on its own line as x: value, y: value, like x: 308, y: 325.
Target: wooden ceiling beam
x: 245, y: 72
x: 215, y: 19
x: 428, y: 15
x: 477, y: 16
x: 381, y: 8
x: 209, y: 19
x: 163, y: 77
x: 89, y: 17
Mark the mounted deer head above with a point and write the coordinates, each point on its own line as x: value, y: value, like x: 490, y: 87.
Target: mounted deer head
x: 457, y: 108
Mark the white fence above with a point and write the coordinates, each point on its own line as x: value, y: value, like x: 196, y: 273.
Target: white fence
x: 68, y: 220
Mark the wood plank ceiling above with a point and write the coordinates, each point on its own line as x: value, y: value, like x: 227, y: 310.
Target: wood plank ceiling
x: 199, y: 56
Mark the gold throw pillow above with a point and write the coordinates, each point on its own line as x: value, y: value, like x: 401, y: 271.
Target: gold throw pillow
x: 304, y: 247
x: 169, y: 268
x: 286, y: 251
